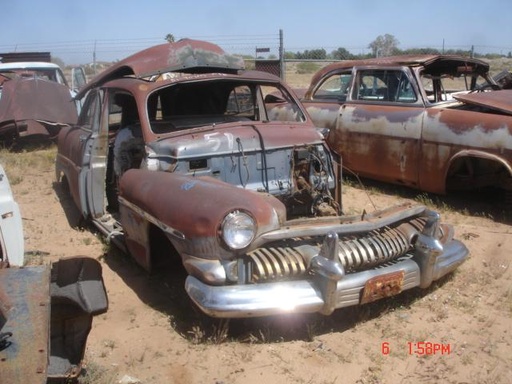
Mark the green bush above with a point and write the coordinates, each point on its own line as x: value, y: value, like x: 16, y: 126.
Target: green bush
x: 307, y: 67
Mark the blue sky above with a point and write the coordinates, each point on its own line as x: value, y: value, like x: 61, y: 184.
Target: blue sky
x: 73, y: 30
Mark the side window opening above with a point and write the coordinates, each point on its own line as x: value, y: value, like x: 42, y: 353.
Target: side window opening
x: 335, y: 87
x: 241, y: 101
x: 279, y: 105
x: 384, y: 86
x: 441, y: 85
x: 90, y: 114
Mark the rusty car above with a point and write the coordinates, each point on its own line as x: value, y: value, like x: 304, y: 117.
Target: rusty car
x: 46, y: 311
x: 180, y: 152
x: 436, y: 123
x: 36, y: 99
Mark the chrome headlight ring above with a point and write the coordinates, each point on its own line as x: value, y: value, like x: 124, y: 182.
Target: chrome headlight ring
x: 238, y: 229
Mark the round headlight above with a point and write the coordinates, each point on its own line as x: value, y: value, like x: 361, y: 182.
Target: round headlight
x: 238, y: 229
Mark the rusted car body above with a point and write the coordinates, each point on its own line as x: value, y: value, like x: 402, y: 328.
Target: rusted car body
x: 46, y: 315
x: 228, y: 173
x: 35, y: 100
x: 431, y: 122
x: 46, y: 311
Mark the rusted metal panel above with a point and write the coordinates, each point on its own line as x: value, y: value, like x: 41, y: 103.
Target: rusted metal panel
x: 186, y: 55
x: 211, y: 198
x: 274, y: 135
x: 45, y: 317
x: 38, y: 100
x: 25, y: 292
x: 498, y: 100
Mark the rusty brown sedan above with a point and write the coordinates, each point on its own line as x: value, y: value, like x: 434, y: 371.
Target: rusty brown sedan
x: 436, y: 123
x: 181, y: 152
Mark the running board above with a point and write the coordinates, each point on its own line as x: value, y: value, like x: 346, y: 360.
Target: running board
x: 111, y: 229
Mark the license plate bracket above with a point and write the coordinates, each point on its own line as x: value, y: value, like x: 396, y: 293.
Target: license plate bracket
x: 378, y: 287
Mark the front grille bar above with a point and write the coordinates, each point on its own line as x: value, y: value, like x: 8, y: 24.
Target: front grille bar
x: 354, y: 253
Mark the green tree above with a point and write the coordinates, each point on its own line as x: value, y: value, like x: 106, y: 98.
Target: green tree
x: 58, y: 61
x: 386, y: 45
x: 170, y: 38
x: 341, y: 54
x: 314, y: 54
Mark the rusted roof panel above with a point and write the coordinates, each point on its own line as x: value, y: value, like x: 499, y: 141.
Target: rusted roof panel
x: 497, y: 100
x: 186, y: 55
x: 455, y: 61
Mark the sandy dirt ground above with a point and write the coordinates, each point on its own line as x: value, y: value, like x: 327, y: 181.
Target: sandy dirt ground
x: 152, y: 333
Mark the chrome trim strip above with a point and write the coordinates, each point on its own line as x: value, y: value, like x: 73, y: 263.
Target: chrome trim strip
x: 164, y: 227
x: 371, y: 222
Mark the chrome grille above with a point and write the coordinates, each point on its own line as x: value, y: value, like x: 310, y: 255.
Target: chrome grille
x: 354, y: 252
x: 276, y: 262
x: 378, y: 247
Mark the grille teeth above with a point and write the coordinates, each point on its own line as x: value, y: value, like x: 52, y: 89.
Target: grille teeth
x: 274, y: 263
x: 355, y: 253
x: 380, y: 246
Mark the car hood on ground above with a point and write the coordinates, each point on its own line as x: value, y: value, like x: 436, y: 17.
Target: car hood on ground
x: 497, y: 100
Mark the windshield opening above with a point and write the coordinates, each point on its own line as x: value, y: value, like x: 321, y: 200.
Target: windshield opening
x: 195, y: 104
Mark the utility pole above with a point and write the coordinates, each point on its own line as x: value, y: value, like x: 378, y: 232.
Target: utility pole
x: 281, y: 54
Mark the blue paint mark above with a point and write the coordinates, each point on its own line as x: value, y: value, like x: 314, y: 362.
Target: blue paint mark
x: 188, y: 185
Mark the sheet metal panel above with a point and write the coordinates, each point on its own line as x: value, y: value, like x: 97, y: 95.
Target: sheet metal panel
x: 25, y: 298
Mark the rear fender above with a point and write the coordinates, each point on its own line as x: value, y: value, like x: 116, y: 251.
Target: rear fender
x: 468, y: 154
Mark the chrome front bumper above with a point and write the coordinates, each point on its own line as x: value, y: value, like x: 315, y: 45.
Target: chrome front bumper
x: 329, y: 288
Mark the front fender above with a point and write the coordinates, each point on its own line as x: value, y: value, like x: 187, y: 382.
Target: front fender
x: 191, y: 209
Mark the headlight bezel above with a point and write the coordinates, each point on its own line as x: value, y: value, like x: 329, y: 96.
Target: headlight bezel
x: 238, y: 229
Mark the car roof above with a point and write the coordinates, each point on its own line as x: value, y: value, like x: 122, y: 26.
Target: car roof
x: 434, y: 61
x: 186, y: 56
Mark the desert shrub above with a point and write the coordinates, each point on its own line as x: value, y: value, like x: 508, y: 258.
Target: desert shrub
x: 307, y: 67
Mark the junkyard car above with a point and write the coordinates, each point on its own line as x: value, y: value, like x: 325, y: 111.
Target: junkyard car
x: 45, y: 311
x: 434, y: 122
x: 223, y: 168
x: 36, y: 100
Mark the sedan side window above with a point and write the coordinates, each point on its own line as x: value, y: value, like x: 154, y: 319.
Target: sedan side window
x: 384, y: 85
x: 334, y: 87
x: 90, y: 115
